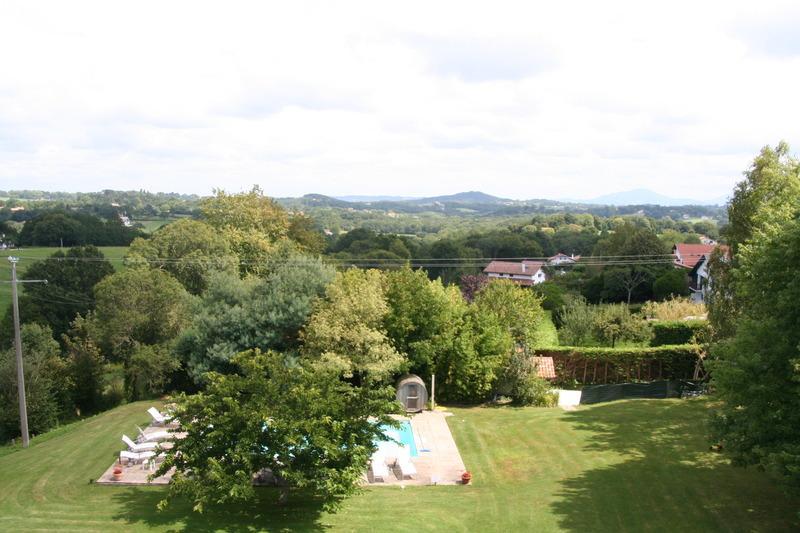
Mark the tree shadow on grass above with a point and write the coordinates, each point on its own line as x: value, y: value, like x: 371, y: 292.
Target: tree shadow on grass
x: 654, y: 472
x: 300, y: 513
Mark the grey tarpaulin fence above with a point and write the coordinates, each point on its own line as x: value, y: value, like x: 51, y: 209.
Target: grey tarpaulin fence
x: 620, y: 391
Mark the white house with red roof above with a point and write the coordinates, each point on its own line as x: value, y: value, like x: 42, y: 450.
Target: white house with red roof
x: 563, y: 259
x: 523, y: 272
x: 694, y: 258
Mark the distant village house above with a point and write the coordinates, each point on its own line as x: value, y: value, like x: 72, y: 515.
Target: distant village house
x: 528, y: 272
x: 694, y: 258
x: 523, y: 272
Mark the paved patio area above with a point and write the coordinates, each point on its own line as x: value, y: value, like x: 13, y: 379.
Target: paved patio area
x: 137, y: 474
x: 438, y: 462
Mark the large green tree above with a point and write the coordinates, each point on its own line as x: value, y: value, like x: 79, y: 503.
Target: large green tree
x: 299, y: 424
x: 516, y: 308
x: 138, y: 306
x: 753, y: 310
x: 234, y: 315
x: 419, y: 310
x: 47, y: 383
x: 70, y: 276
x: 347, y: 329
x: 188, y: 249
x: 757, y: 371
x: 251, y: 222
x: 762, y: 204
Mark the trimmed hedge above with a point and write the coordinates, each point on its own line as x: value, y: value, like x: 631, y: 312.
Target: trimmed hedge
x: 598, y: 365
x: 673, y: 332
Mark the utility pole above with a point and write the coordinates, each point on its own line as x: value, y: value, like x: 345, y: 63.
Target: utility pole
x: 23, y: 408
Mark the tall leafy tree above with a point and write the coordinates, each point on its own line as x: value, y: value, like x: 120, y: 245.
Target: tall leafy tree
x: 138, y: 306
x: 251, y: 222
x: 70, y: 276
x: 419, y: 310
x: 753, y: 310
x: 300, y: 424
x: 757, y: 370
x: 518, y: 309
x: 86, y: 367
x: 234, y: 315
x: 762, y: 204
x: 469, y: 353
x: 633, y: 281
x: 304, y: 232
x: 47, y: 384
x: 347, y: 329
x: 188, y: 249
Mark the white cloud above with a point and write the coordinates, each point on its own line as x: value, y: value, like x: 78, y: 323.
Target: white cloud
x: 513, y: 98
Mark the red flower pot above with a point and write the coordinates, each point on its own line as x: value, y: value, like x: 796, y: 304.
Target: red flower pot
x: 466, y: 477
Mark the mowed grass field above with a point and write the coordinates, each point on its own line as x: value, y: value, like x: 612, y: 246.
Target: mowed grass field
x: 636, y: 465
x: 31, y: 255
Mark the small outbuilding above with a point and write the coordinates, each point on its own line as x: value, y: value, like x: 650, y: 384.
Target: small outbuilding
x: 411, y: 392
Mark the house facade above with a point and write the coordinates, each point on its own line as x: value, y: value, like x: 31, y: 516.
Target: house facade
x: 524, y: 272
x: 694, y: 259
x: 563, y: 259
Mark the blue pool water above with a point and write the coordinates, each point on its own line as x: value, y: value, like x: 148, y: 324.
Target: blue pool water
x: 404, y: 435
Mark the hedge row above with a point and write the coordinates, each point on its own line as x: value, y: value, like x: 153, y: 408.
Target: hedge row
x: 672, y: 332
x: 582, y: 365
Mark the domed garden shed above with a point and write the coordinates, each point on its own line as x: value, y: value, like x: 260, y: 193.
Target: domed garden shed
x: 411, y: 392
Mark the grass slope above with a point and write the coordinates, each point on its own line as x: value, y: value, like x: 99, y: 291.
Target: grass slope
x: 639, y: 465
x: 30, y: 255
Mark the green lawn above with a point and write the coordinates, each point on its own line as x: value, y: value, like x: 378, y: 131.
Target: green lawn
x: 150, y: 225
x: 30, y: 255
x: 547, y: 332
x: 637, y: 465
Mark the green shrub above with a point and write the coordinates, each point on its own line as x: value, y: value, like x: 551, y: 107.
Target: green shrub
x: 520, y: 381
x: 670, y: 332
x: 149, y: 371
x: 552, y: 295
x: 536, y: 391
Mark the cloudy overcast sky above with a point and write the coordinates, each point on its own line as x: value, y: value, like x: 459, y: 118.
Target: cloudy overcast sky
x: 518, y: 99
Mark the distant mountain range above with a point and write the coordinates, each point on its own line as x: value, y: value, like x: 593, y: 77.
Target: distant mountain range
x: 624, y: 198
x: 357, y: 198
x: 646, y: 197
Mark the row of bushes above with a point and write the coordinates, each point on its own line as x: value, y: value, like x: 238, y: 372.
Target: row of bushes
x: 597, y: 365
x: 672, y: 332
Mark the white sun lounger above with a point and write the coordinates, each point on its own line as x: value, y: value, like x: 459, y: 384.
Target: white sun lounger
x: 154, y: 436
x: 140, y: 447
x: 158, y: 417
x: 407, y: 468
x: 379, y: 469
x: 135, y: 457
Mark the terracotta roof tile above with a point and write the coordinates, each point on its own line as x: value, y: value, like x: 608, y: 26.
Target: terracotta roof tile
x: 546, y: 368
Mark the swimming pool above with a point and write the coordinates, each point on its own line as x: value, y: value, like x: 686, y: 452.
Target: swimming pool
x: 404, y: 435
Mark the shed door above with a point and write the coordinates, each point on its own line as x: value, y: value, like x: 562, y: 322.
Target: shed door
x: 412, y: 398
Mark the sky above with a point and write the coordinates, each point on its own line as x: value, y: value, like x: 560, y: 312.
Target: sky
x: 517, y: 99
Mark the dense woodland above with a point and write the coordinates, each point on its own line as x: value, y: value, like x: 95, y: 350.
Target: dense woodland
x: 242, y: 287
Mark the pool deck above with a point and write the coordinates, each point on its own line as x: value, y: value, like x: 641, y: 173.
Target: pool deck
x: 438, y: 462
x: 137, y: 474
